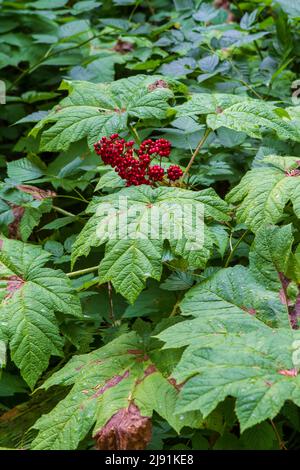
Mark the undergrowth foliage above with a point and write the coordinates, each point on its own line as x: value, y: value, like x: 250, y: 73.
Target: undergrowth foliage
x: 149, y: 218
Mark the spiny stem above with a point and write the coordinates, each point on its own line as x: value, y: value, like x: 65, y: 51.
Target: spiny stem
x: 82, y: 271
x: 198, y: 148
x: 62, y: 211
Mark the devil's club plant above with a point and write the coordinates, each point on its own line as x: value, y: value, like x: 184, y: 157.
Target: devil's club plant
x: 149, y: 218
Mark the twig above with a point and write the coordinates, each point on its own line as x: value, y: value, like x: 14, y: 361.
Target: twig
x: 62, y: 211
x: 280, y: 442
x: 135, y: 134
x: 82, y: 271
x: 175, y: 308
x: 198, y: 148
x: 234, y: 248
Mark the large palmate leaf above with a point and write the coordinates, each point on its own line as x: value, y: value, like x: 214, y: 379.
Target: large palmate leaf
x: 134, y: 224
x: 93, y: 110
x: 117, y: 377
x: 264, y: 192
x: 239, y: 113
x: 30, y: 294
x: 237, y: 355
x: 257, y: 368
x: 232, y: 348
x: 233, y: 299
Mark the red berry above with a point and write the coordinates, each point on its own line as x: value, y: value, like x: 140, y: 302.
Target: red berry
x: 133, y: 165
x: 156, y: 172
x: 174, y: 172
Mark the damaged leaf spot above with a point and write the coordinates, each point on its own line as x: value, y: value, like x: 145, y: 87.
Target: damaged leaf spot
x: 157, y: 84
x: 13, y: 228
x: 295, y: 314
x: 141, y: 356
x: 123, y: 47
x: 173, y: 382
x: 294, y: 172
x: 252, y: 311
x: 288, y: 372
x: 111, y: 383
x: 14, y: 283
x: 126, y: 430
x: 36, y: 193
x: 18, y: 211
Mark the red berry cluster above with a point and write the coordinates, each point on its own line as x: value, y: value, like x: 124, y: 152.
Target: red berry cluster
x: 133, y: 165
x: 174, y: 172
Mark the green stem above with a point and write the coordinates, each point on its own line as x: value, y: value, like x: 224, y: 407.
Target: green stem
x: 82, y: 271
x: 135, y: 134
x: 280, y: 442
x: 234, y: 248
x: 175, y: 308
x: 197, y: 150
x: 62, y: 211
x: 258, y: 50
x: 137, y: 3
x: 72, y: 197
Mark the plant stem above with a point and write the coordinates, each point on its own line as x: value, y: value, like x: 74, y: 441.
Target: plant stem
x: 199, y: 146
x: 234, y: 248
x: 135, y: 134
x: 62, y: 211
x: 82, y: 271
x: 258, y: 50
x: 65, y: 196
x: 175, y: 308
x: 280, y: 442
x: 111, y: 305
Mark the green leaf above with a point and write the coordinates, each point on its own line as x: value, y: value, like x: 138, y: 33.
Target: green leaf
x: 93, y: 110
x: 252, y: 367
x: 239, y: 113
x: 270, y: 255
x: 264, y: 192
x: 30, y: 295
x: 26, y: 169
x: 232, y: 347
x: 135, y: 222
x: 11, y: 384
x: 104, y: 382
x: 110, y: 179
x: 22, y: 208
